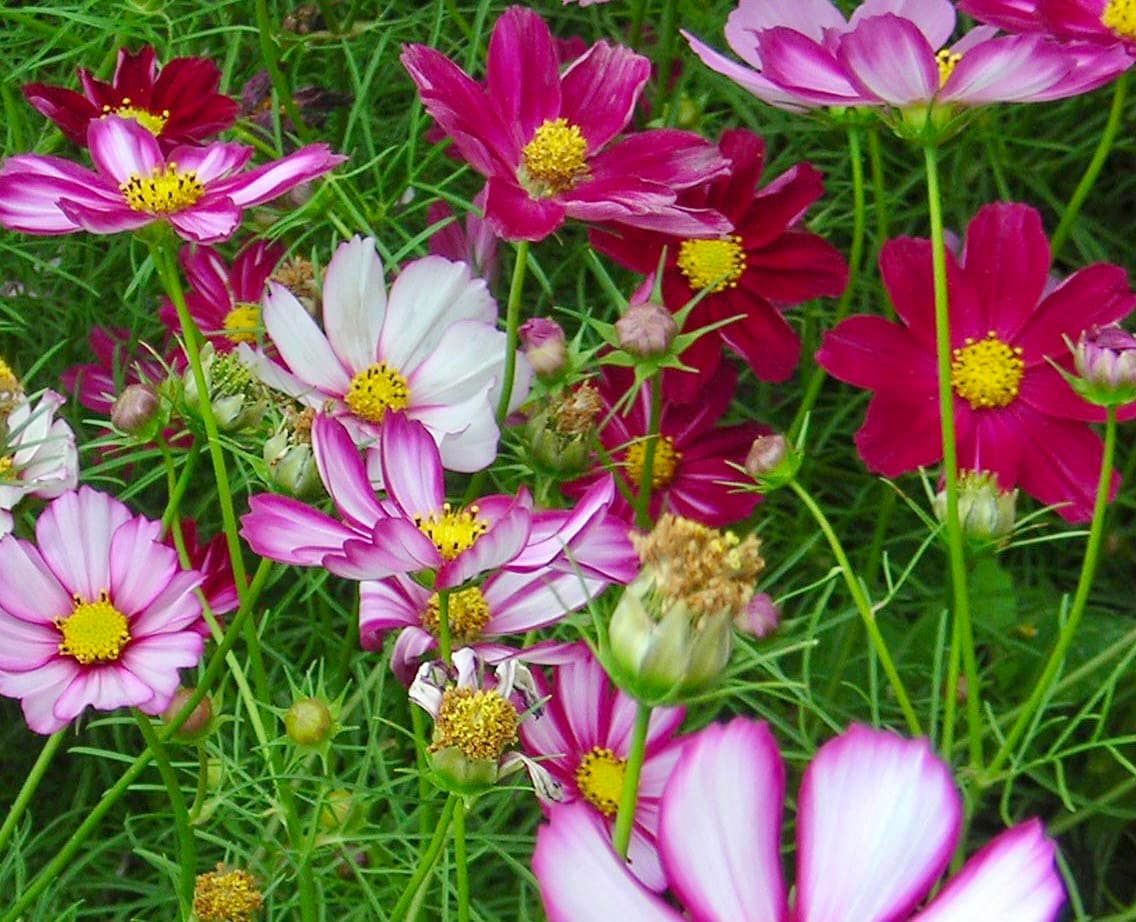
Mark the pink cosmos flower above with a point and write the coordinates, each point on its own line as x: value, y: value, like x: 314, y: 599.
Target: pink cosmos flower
x: 582, y: 737
x: 878, y: 818
x: 118, y: 364
x: 37, y: 454
x: 571, y: 557
x: 691, y: 474
x: 431, y: 350
x: 413, y: 530
x: 800, y: 54
x: 96, y: 612
x: 224, y: 300
x: 1103, y: 22
x: 545, y: 140
x: 177, y: 103
x: 199, y: 190
x: 1014, y: 413
x: 471, y: 241
x: 768, y: 262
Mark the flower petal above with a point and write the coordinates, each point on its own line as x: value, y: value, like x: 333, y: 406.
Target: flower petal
x: 74, y: 535
x: 890, y: 59
x: 343, y: 473
x: 522, y: 73
x: 600, y: 91
x: 354, y: 302
x: 412, y: 468
x: 120, y: 148
x: 301, y: 343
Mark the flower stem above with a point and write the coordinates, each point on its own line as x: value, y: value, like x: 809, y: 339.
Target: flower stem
x: 177, y: 483
x: 1100, y: 155
x: 426, y: 862
x: 28, y: 789
x: 1080, y: 600
x: 461, y: 859
x: 665, y: 64
x: 638, y: 17
x: 445, y: 644
x: 964, y: 630
x: 647, y: 474
x: 512, y: 325
x: 271, y: 55
x: 625, y: 818
x: 864, y: 607
x: 186, y: 846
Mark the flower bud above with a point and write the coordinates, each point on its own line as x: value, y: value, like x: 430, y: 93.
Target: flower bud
x: 136, y: 411
x: 986, y: 512
x: 1105, y: 359
x: 646, y: 330
x: 760, y: 618
x: 309, y: 722
x: 337, y: 811
x: 197, y: 726
x: 238, y: 399
x: 288, y: 454
x: 544, y: 345
x: 772, y: 462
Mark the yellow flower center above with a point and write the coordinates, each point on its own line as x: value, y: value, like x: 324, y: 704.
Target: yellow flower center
x: 663, y: 467
x: 987, y: 372
x: 153, y: 122
x: 453, y: 531
x: 10, y: 389
x: 94, y: 632
x: 376, y: 389
x: 165, y: 191
x: 713, y: 264
x: 600, y: 779
x: 242, y: 323
x: 468, y: 615
x: 555, y: 159
x: 1120, y: 16
x: 6, y: 465
x: 481, y: 724
x: 948, y: 61
x: 226, y: 896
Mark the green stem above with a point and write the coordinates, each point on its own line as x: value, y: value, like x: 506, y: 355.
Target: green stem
x: 202, y: 790
x: 1100, y: 155
x: 879, y: 185
x: 28, y: 789
x: 177, y: 483
x: 964, y: 630
x: 638, y: 17
x: 461, y: 860
x: 186, y: 845
x: 864, y: 607
x: 512, y: 326
x: 629, y: 799
x: 426, y: 862
x: 1080, y: 600
x: 270, y: 53
x: 445, y: 645
x: 665, y: 64
x: 647, y: 474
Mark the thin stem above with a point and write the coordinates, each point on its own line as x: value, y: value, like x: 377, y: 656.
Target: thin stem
x: 202, y: 789
x: 864, y: 607
x: 186, y: 846
x: 964, y: 630
x: 426, y: 862
x: 1100, y: 155
x: 28, y: 789
x: 879, y: 185
x: 177, y: 483
x: 638, y: 16
x: 461, y: 860
x: 445, y: 645
x: 512, y: 325
x: 665, y: 64
x: 647, y: 474
x: 629, y: 799
x: 271, y: 56
x: 1080, y: 600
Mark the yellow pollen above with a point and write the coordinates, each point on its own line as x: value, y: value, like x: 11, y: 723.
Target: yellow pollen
x: 6, y: 465
x: 94, y: 632
x: 153, y: 122
x: 1120, y: 16
x: 453, y: 531
x: 663, y: 467
x: 948, y: 61
x: 713, y: 264
x: 242, y: 323
x: 600, y: 779
x: 481, y: 724
x: 164, y: 191
x: 10, y: 389
x: 468, y: 615
x: 987, y: 372
x: 555, y: 159
x: 376, y: 389
x: 226, y: 896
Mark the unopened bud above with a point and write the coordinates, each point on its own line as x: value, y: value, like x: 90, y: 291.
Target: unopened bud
x: 197, y: 725
x: 135, y: 410
x: 772, y: 462
x: 337, y: 810
x: 760, y: 618
x: 986, y: 512
x: 309, y: 722
x: 1105, y: 358
x: 289, y: 456
x: 544, y: 345
x: 646, y: 330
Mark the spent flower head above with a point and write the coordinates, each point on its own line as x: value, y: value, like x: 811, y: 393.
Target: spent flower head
x: 226, y: 895
x: 986, y: 511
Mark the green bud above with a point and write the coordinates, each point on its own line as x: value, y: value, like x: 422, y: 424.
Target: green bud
x: 309, y: 722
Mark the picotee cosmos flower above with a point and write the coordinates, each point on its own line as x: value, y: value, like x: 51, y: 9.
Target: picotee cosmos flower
x: 1105, y: 22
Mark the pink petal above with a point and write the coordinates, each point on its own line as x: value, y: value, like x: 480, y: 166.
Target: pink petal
x: 103, y: 688
x: 1013, y: 68
x: 412, y: 469
x: 211, y: 162
x: 25, y: 645
x: 406, y: 656
x: 868, y: 351
x: 388, y: 604
x: 343, y: 473
x: 301, y: 343
x: 285, y: 529
x: 74, y: 535
x: 267, y: 182
x: 673, y: 159
x: 934, y: 18
x: 140, y: 566
x: 1011, y: 15
x: 522, y: 72
x: 891, y: 60
x: 515, y: 215
x: 757, y: 84
x: 213, y: 219
x: 601, y: 90
x: 121, y: 147
x: 175, y: 608
x: 521, y: 602
x: 812, y: 18
x: 28, y: 588
x: 38, y: 691
x: 499, y: 545
x: 115, y: 219
x: 354, y: 302
x: 155, y: 660
x: 807, y: 69
x: 1096, y: 295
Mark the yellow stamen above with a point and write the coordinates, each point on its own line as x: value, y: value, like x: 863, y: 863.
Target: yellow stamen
x: 376, y: 389
x: 600, y: 779
x: 713, y: 264
x: 453, y: 531
x: 480, y: 724
x: 153, y: 122
x: 987, y: 372
x: 555, y: 159
x: 226, y: 896
x: 6, y: 465
x: 468, y: 615
x: 10, y: 389
x: 948, y: 61
x: 94, y: 632
x: 1120, y: 16
x: 242, y: 323
x: 165, y: 191
x: 662, y: 469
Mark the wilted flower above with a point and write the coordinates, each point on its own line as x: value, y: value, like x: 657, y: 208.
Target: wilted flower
x: 226, y: 895
x: 314, y: 103
x: 760, y: 618
x: 1105, y: 359
x: 986, y: 512
x: 289, y: 456
x: 544, y: 345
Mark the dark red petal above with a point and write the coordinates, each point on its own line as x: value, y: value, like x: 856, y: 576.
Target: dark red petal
x: 762, y: 337
x: 900, y: 435
x: 779, y: 206
x: 69, y: 110
x: 1061, y: 464
x: 867, y: 351
x: 523, y: 73
x: 796, y: 267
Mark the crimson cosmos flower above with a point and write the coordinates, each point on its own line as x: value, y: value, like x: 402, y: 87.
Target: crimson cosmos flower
x: 1103, y: 22
x: 1015, y: 415
x: 769, y: 261
x: 177, y: 103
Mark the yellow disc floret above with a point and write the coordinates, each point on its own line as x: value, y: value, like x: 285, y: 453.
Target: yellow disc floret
x: 987, y: 372
x: 948, y: 61
x: 376, y: 389
x: 153, y: 122
x: 226, y: 896
x: 94, y: 632
x: 467, y: 616
x: 555, y: 159
x: 11, y: 391
x: 1120, y: 16
x: 7, y: 465
x: 600, y: 779
x: 712, y: 264
x: 165, y: 191
x: 242, y: 323
x: 480, y: 724
x: 663, y: 467
x: 452, y: 530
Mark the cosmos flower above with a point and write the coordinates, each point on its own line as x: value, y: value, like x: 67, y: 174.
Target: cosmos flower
x: 1104, y: 22
x: 471, y: 241
x: 177, y: 103
x: 37, y: 453
x: 96, y: 612
x: 1015, y: 415
x: 546, y: 140
x: 878, y: 818
x: 118, y: 364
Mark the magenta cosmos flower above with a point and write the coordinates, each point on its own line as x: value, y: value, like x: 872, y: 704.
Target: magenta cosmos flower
x: 412, y: 531
x: 1015, y: 415
x: 224, y: 300
x: 768, y: 262
x: 199, y: 190
x: 1103, y: 22
x: 431, y: 350
x: 97, y: 612
x: 118, y: 363
x: 37, y: 453
x: 177, y: 103
x: 545, y: 140
x: 878, y: 819
x: 570, y: 558
x: 582, y: 737
x: 691, y: 473
x: 800, y: 54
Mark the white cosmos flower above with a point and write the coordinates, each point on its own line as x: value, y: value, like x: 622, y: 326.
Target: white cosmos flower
x: 37, y: 454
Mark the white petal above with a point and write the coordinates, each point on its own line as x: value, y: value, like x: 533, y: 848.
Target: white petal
x: 301, y: 342
x: 354, y: 302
